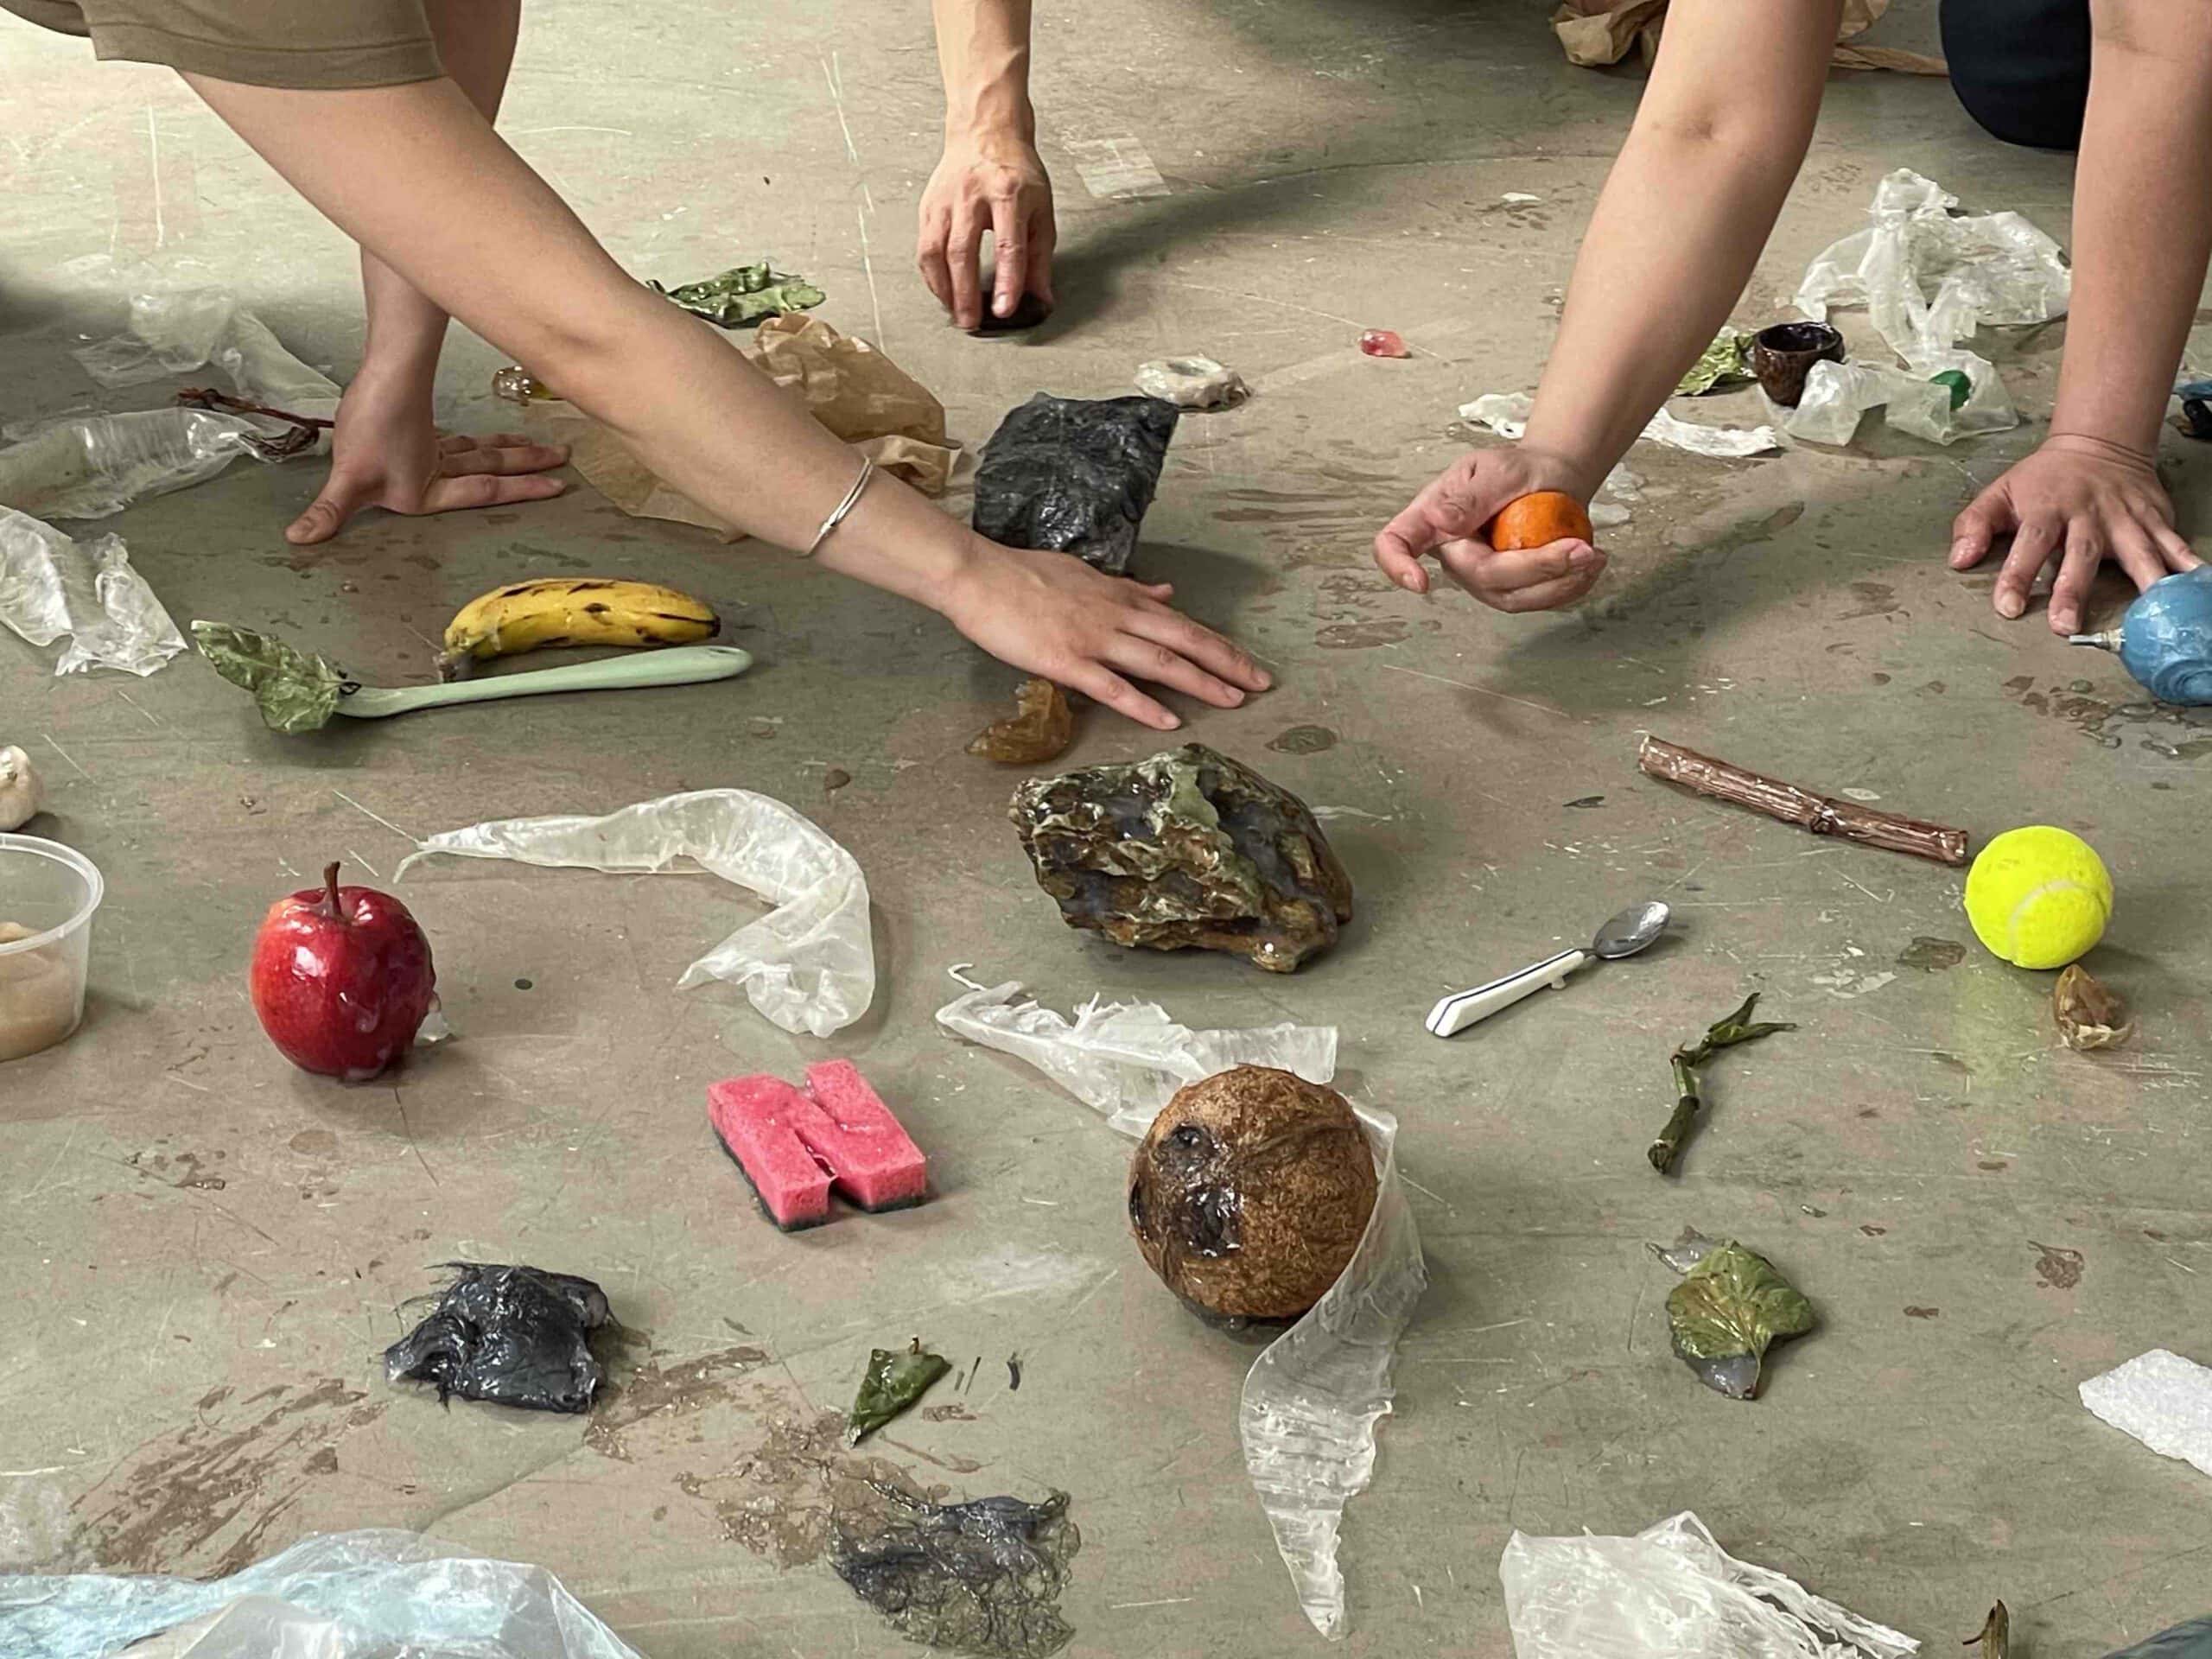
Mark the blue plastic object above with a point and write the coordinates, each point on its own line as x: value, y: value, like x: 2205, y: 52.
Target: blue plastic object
x: 2166, y: 639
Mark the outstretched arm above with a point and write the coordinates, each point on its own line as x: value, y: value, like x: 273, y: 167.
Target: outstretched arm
x: 386, y: 452
x: 2142, y: 231
x: 1718, y: 140
x: 416, y: 175
x: 989, y: 177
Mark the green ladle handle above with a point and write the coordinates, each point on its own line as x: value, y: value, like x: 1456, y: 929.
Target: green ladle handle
x: 679, y: 665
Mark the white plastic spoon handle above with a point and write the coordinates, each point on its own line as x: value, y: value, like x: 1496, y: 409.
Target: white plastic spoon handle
x: 1456, y: 1013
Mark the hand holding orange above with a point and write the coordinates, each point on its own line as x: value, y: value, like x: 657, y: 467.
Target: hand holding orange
x: 1537, y: 520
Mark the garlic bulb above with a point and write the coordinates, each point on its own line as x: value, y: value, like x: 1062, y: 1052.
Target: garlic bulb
x: 21, y: 796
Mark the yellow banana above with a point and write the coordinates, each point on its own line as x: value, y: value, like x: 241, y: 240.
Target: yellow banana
x: 568, y: 610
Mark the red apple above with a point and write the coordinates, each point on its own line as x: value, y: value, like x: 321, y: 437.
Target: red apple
x: 341, y: 979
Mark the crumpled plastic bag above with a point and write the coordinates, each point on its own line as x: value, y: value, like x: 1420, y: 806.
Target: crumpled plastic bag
x: 807, y: 965
x: 1838, y: 394
x: 1506, y: 413
x: 1671, y: 1592
x: 349, y: 1595
x: 182, y: 330
x: 90, y: 466
x: 51, y: 585
x: 1127, y: 1060
x: 1311, y: 1400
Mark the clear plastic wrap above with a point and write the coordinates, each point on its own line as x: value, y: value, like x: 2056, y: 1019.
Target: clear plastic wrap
x: 1127, y: 1060
x: 51, y: 585
x: 2161, y: 1399
x: 183, y: 329
x: 1506, y: 413
x: 1672, y: 1593
x: 1837, y: 394
x: 808, y: 965
x: 90, y: 466
x: 1311, y: 1400
x: 347, y: 1595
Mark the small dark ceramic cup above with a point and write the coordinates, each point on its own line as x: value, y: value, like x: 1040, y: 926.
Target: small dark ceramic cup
x: 1782, y: 357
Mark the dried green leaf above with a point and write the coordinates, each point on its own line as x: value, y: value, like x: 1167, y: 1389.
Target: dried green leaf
x: 2090, y: 1014
x: 1732, y: 1029
x: 1727, y: 1310
x: 1726, y: 360
x: 294, y: 690
x: 892, y: 1382
x: 1689, y: 1098
x: 744, y: 294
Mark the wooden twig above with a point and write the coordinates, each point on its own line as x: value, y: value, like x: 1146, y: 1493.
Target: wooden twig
x: 1802, y: 807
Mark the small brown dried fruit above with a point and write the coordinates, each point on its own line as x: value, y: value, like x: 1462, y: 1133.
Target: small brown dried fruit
x: 2089, y: 1014
x: 1040, y: 728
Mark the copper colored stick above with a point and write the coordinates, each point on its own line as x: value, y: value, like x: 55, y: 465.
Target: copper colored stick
x: 1802, y: 807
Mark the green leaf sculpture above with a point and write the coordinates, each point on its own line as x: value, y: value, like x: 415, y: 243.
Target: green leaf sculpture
x: 892, y: 1382
x: 744, y: 295
x: 295, y: 690
x: 1731, y: 1306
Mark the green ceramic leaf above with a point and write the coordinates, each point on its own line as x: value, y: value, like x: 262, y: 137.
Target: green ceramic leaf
x: 1727, y: 1310
x: 295, y: 691
x: 1961, y: 388
x: 1727, y: 359
x: 1730, y: 1030
x: 744, y: 294
x: 892, y: 1382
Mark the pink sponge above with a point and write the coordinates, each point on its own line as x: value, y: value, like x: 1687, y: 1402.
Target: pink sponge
x: 794, y: 1146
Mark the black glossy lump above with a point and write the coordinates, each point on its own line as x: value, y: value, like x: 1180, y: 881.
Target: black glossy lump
x: 1074, y: 474
x: 516, y: 1336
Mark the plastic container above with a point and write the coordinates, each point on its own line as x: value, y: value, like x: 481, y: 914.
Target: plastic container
x: 51, y: 891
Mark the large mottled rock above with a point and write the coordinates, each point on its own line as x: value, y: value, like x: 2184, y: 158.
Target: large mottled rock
x: 1189, y: 848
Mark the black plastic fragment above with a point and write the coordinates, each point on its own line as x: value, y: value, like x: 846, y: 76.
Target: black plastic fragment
x: 516, y: 1336
x: 1074, y: 476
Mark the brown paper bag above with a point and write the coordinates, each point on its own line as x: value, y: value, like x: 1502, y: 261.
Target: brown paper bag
x: 1596, y: 32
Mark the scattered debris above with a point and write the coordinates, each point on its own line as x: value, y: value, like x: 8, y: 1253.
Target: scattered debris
x: 977, y: 1578
x: 1012, y: 1373
x: 51, y: 585
x: 1583, y: 803
x: 1250, y: 1192
x: 1931, y: 956
x: 2038, y: 897
x: 1817, y: 813
x: 1074, y: 474
x: 1995, y: 1636
x: 346, y: 1595
x: 2089, y: 1014
x: 1725, y: 1033
x: 1782, y: 355
x: 744, y: 295
x: 808, y: 965
x: 179, y: 330
x: 1724, y: 363
x: 1731, y: 1306
x: 515, y: 1336
x: 526, y: 616
x: 23, y: 797
x: 1187, y: 849
x: 1506, y: 413
x: 1192, y: 382
x: 1039, y: 729
x: 891, y: 1383
x: 1384, y: 342
x: 1671, y: 1590
x: 2059, y: 1268
x: 341, y: 979
x: 793, y: 1148
x: 2161, y: 1399
x: 295, y: 690
x: 1127, y: 1060
x: 301, y: 434
x: 2164, y: 639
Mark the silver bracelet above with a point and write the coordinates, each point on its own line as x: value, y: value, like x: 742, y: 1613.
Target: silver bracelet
x: 837, y: 516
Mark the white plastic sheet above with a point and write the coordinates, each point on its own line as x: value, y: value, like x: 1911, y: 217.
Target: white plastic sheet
x: 1506, y: 413
x: 1672, y: 1593
x: 90, y: 466
x: 808, y: 965
x: 349, y: 1595
x: 1127, y: 1060
x: 1311, y: 1400
x: 179, y: 330
x: 51, y: 586
x: 2163, y: 1400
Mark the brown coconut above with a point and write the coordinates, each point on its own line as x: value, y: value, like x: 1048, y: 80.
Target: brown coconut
x: 1250, y: 1192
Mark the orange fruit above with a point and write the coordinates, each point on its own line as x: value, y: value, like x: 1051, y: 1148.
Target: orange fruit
x: 1537, y: 520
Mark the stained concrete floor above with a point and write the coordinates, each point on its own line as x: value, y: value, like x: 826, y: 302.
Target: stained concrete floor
x: 206, y: 1252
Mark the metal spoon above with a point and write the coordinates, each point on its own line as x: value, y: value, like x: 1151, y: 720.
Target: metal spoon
x: 1623, y: 936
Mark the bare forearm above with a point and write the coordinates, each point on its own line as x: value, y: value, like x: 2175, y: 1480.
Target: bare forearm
x: 476, y: 42
x: 983, y: 49
x: 2142, y: 220
x: 1682, y: 218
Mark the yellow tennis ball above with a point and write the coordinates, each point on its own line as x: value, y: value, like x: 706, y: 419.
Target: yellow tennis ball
x: 2038, y: 897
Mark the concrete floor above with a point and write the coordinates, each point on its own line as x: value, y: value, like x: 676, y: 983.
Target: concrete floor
x: 205, y: 1251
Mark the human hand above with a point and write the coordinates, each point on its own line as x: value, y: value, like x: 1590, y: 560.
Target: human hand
x: 386, y: 453
x: 1051, y: 614
x: 987, y: 180
x: 1448, y: 518
x: 2079, y: 501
